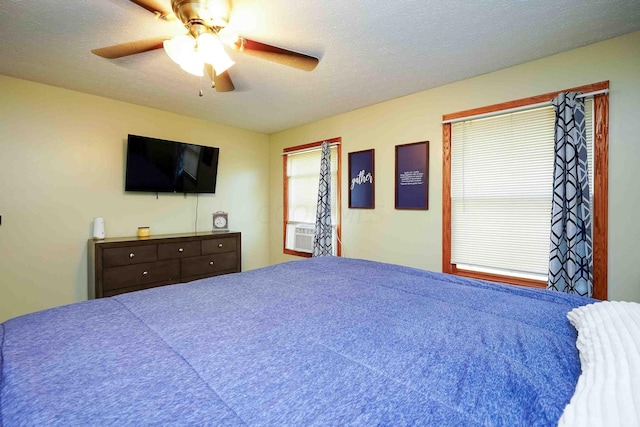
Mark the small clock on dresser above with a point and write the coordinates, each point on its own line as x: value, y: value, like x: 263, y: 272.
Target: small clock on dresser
x: 220, y: 221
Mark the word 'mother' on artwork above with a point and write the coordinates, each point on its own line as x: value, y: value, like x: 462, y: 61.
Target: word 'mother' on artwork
x: 362, y: 178
x: 412, y: 178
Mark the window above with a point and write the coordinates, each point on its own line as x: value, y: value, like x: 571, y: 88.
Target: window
x: 497, y: 189
x: 301, y: 167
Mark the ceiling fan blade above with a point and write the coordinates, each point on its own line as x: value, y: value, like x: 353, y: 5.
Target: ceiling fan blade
x: 276, y: 54
x: 221, y: 82
x: 156, y: 8
x: 129, y: 48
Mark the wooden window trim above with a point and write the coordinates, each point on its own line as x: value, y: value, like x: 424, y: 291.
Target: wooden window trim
x: 285, y: 192
x: 600, y: 200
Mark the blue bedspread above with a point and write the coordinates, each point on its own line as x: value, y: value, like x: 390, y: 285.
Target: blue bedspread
x: 323, y: 341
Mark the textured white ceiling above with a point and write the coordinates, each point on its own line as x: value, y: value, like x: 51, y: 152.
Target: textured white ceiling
x: 370, y: 50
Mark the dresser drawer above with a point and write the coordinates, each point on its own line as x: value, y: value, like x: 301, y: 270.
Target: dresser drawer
x: 215, y: 246
x: 129, y: 255
x: 127, y: 264
x: 209, y: 264
x: 178, y: 250
x: 141, y: 274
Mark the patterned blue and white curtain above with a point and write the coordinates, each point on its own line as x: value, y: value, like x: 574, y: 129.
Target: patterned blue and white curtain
x: 322, y: 240
x: 571, y: 251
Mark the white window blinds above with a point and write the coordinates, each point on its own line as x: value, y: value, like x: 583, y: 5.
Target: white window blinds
x: 501, y: 187
x: 303, y: 175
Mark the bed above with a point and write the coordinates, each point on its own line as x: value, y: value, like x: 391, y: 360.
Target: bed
x: 321, y: 341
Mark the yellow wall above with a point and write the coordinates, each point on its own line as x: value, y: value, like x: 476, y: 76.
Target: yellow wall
x: 414, y: 238
x: 62, y: 164
x: 62, y: 159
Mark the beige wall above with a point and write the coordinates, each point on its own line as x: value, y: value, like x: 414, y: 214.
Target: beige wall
x: 62, y: 164
x: 415, y: 238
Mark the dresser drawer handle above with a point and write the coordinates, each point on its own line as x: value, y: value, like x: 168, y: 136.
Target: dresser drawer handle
x: 145, y: 273
x: 131, y: 255
x: 219, y: 245
x: 210, y: 262
x: 180, y: 250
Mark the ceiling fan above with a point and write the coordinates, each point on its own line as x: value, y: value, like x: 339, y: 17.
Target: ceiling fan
x: 201, y: 49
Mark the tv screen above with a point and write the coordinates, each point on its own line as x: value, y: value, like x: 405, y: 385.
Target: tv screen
x: 161, y: 166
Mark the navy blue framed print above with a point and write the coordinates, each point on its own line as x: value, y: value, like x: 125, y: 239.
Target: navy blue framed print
x: 412, y: 176
x: 361, y: 179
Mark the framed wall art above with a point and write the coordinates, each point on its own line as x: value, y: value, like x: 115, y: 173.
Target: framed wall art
x: 412, y: 176
x: 361, y: 179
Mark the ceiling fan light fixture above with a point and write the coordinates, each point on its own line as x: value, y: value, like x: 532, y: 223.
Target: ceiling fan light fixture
x: 191, y: 54
x: 177, y: 47
x: 212, y: 52
x: 182, y: 50
x: 213, y: 13
x: 195, y: 67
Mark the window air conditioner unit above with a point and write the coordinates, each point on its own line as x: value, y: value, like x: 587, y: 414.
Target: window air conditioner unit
x: 303, y: 238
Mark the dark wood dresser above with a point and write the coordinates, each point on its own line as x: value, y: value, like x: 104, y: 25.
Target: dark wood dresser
x: 127, y: 264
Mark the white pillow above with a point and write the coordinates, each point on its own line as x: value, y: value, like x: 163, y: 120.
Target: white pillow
x: 608, y: 390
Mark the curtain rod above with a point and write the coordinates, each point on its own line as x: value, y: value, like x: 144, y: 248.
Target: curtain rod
x: 522, y: 108
x: 308, y: 150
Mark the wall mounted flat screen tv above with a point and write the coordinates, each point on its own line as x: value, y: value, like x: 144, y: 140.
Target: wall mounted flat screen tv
x: 161, y: 166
